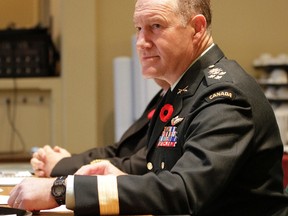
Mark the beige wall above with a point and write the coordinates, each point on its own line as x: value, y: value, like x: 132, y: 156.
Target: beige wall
x: 243, y: 29
x: 21, y: 13
x: 115, y: 31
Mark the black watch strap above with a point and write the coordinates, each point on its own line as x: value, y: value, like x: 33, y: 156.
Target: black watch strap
x: 58, y: 190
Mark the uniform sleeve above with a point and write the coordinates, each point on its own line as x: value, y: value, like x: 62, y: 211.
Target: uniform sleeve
x: 69, y: 165
x: 213, y: 152
x: 131, y: 164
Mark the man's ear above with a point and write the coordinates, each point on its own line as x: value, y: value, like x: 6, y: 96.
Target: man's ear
x: 199, y: 24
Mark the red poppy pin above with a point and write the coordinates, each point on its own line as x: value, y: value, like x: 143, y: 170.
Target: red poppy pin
x: 166, y: 112
x: 150, y: 114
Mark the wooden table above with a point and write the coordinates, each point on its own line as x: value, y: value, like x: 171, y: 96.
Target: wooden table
x: 6, y: 190
x: 15, y: 157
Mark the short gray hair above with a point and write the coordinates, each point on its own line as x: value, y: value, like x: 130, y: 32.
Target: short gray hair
x: 188, y: 8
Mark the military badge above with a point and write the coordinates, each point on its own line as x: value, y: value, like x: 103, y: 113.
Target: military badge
x: 176, y: 120
x: 180, y: 91
x: 168, y: 137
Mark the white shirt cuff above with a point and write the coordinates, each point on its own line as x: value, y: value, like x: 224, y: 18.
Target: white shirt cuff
x: 70, y: 199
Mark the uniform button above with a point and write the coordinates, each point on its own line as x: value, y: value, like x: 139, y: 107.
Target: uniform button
x: 149, y: 166
x: 162, y: 165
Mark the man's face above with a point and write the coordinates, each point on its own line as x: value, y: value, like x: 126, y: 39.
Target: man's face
x: 164, y: 44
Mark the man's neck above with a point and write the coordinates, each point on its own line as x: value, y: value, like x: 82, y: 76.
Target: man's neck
x: 203, y: 53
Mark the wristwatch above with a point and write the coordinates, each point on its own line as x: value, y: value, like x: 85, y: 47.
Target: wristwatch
x: 58, y: 190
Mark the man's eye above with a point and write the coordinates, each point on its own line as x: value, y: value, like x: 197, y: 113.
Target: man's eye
x: 138, y: 29
x: 156, y: 26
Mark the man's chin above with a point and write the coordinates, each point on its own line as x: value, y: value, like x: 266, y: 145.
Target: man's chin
x: 150, y: 73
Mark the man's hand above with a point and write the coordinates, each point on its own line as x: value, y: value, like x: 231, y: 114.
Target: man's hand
x: 33, y: 194
x: 44, y: 160
x: 100, y: 168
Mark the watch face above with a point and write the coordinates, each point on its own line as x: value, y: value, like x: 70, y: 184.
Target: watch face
x: 58, y: 190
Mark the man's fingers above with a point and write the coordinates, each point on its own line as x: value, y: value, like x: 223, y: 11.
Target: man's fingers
x: 39, y: 173
x: 37, y: 166
x: 56, y: 148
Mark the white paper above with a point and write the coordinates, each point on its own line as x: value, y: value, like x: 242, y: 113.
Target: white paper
x: 61, y: 208
x: 10, y: 181
x: 9, y: 215
x: 11, y: 178
x: 4, y: 199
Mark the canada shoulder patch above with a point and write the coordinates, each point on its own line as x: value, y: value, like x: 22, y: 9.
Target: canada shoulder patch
x: 227, y: 94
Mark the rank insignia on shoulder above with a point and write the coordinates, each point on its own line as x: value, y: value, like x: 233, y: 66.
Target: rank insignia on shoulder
x: 221, y: 94
x: 216, y: 73
x: 168, y: 137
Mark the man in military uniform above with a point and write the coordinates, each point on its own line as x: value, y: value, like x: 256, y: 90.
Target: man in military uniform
x: 214, y: 146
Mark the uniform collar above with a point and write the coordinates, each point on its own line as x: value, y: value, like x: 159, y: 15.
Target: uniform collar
x: 205, y: 51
